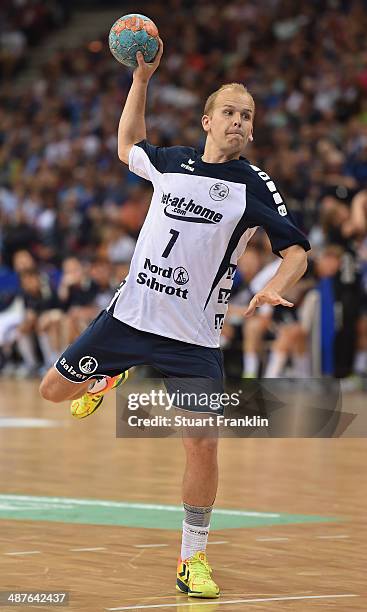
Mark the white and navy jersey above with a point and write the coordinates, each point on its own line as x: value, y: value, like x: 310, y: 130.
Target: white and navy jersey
x: 199, y: 222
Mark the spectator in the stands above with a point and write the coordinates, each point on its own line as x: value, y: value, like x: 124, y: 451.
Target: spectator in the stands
x: 77, y: 293
x: 42, y: 322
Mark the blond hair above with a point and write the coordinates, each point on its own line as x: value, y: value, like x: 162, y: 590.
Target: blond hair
x: 209, y: 104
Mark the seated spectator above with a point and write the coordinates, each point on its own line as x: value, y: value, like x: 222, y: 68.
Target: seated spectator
x: 326, y: 303
x: 42, y: 322
x: 77, y: 294
x: 117, y: 245
x: 23, y: 261
x: 101, y: 274
x: 12, y: 51
x: 254, y: 269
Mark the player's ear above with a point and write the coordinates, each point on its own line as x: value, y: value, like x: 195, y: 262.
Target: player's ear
x: 205, y: 122
x: 251, y: 137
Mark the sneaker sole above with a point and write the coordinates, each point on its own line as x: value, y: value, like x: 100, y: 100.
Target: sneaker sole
x: 183, y: 588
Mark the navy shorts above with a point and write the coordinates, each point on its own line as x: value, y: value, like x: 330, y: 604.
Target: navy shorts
x: 108, y: 347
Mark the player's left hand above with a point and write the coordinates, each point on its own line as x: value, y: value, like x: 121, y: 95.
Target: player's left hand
x: 267, y: 296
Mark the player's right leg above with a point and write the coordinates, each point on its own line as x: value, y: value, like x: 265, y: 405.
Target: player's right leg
x: 199, y: 489
x: 190, y: 371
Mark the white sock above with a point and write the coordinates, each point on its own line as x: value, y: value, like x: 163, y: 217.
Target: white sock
x: 49, y: 355
x: 302, y: 366
x: 194, y: 539
x: 250, y: 364
x: 275, y: 364
x: 360, y: 362
x: 26, y: 348
x: 98, y: 385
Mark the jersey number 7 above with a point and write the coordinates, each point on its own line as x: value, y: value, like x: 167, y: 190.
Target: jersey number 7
x: 172, y: 241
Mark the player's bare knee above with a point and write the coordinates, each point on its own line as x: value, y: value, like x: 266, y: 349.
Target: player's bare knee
x: 50, y: 390
x: 46, y: 391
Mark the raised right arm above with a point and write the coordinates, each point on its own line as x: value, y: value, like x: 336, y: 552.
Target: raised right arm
x: 132, y: 122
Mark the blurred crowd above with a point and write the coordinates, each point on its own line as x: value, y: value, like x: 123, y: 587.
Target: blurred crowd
x: 70, y: 212
x: 23, y: 24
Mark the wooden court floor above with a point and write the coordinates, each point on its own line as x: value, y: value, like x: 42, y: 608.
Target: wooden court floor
x: 278, y: 568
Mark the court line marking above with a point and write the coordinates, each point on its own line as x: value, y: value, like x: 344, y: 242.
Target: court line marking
x: 25, y: 552
x: 235, y: 601
x: 134, y: 506
x: 100, y: 548
x: 272, y: 539
x: 149, y: 545
x: 87, y: 549
x: 29, y: 423
x: 332, y: 537
x: 137, y: 556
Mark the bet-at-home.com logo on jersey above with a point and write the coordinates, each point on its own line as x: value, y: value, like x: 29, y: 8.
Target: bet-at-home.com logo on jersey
x: 183, y: 210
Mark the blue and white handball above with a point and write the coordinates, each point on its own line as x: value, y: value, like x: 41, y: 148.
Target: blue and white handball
x: 130, y: 34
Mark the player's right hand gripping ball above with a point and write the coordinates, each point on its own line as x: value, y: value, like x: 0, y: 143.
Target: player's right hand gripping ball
x: 130, y: 34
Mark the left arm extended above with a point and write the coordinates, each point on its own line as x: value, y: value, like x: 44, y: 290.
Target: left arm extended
x: 292, y: 268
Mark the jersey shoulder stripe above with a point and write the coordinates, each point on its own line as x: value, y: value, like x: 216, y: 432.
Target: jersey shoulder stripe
x: 160, y: 157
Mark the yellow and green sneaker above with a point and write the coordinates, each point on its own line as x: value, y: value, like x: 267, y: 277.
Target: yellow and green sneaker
x: 89, y: 402
x: 194, y: 577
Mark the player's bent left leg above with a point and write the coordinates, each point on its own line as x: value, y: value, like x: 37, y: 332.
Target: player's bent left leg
x: 96, y: 362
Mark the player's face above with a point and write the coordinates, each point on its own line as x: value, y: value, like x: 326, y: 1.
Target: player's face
x: 231, y: 122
